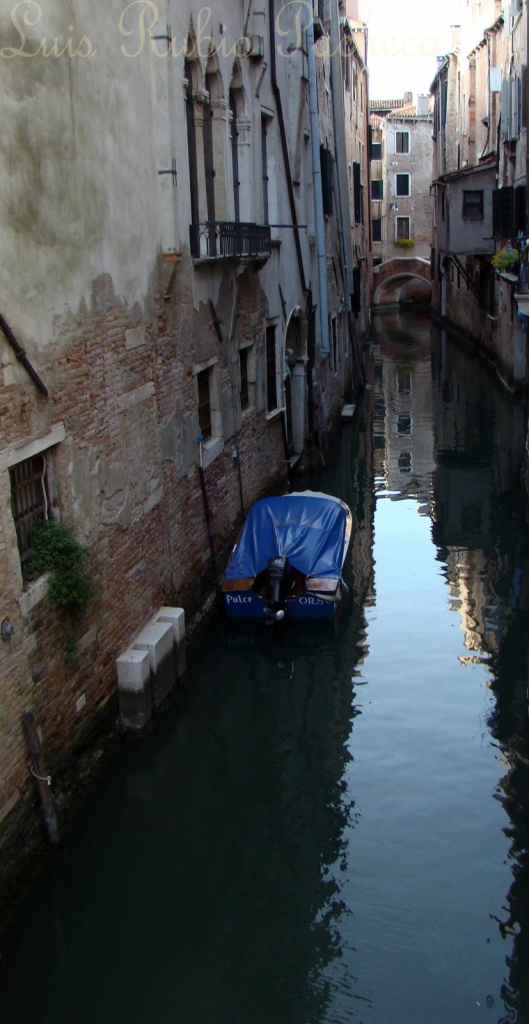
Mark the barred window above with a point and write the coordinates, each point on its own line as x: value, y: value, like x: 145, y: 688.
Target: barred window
x: 30, y: 501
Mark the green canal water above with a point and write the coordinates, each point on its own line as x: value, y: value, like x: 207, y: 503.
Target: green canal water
x: 329, y: 827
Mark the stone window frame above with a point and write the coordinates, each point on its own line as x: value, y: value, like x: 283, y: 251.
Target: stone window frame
x: 211, y: 447
x: 403, y: 131
x: 249, y: 348
x: 401, y: 218
x: 402, y: 174
x: 272, y: 412
x: 472, y: 210
x: 13, y: 455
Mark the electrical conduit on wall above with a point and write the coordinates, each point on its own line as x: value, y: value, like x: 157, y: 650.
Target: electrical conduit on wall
x: 318, y: 195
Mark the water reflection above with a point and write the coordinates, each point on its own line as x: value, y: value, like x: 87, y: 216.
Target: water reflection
x: 204, y: 892
x: 330, y: 826
x: 403, y: 408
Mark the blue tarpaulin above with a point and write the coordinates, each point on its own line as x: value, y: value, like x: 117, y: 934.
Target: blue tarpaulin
x: 306, y: 527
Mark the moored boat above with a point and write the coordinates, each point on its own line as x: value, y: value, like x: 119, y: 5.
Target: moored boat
x: 288, y: 559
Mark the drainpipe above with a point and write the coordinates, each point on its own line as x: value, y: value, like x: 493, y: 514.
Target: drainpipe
x: 336, y: 83
x: 21, y: 356
x: 341, y: 163
x: 284, y: 145
x: 318, y: 195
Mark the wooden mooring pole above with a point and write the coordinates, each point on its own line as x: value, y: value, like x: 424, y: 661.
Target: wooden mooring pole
x: 37, y: 768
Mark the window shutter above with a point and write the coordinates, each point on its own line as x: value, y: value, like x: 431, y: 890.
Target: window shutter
x: 502, y: 213
x: 357, y: 193
x: 505, y: 105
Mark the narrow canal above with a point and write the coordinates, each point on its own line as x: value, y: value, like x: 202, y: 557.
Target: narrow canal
x: 329, y: 828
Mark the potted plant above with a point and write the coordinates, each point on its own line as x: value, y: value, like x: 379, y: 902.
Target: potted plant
x: 506, y: 258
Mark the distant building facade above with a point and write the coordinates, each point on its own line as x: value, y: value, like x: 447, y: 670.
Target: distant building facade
x: 479, y: 184
x: 401, y: 207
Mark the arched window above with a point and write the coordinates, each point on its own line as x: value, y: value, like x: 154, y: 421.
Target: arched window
x: 190, y: 76
x: 240, y: 135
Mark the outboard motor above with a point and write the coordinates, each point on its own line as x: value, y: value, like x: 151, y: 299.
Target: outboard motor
x: 278, y: 585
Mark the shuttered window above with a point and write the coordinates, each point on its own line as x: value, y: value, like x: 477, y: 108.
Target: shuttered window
x: 472, y: 204
x: 326, y: 179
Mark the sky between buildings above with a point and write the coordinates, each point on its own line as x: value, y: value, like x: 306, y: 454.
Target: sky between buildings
x: 404, y: 41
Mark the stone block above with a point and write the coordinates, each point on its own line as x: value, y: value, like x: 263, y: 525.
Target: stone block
x: 134, y: 686
x: 157, y: 639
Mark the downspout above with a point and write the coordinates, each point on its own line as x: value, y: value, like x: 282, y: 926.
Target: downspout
x: 336, y: 81
x: 318, y: 195
x: 341, y: 161
x: 21, y: 356
x: 284, y: 144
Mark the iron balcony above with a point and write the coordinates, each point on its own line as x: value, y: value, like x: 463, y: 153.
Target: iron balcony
x: 220, y: 240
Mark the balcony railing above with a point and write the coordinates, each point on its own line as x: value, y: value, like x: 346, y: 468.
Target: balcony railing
x: 221, y: 239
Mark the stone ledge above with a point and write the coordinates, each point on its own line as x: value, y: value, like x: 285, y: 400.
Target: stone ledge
x: 33, y: 595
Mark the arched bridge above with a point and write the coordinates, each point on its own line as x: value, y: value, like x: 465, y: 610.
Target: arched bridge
x: 402, y: 278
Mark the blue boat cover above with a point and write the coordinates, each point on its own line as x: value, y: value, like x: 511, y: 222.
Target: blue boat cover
x: 306, y: 527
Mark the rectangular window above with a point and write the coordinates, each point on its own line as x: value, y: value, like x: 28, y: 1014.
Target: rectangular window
x: 404, y: 423
x: 402, y: 142
x: 473, y: 205
x: 376, y: 151
x: 271, y: 369
x: 402, y: 185
x: 334, y: 336
x: 326, y: 164
x: 377, y: 230
x: 264, y: 167
x: 357, y: 193
x: 204, y: 403
x: 377, y: 188
x: 243, y: 371
x: 402, y: 227
x: 30, y: 500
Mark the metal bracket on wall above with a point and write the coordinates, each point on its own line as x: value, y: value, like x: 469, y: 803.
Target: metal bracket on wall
x: 283, y: 303
x: 172, y: 172
x: 216, y: 322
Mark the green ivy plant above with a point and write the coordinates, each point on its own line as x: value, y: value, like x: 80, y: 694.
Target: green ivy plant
x: 506, y: 258
x: 56, y: 551
x: 405, y: 243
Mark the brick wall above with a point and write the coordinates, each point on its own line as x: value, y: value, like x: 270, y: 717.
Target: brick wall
x: 115, y: 379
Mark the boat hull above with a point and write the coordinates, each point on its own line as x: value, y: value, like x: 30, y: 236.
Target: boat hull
x: 288, y: 559
x: 244, y: 604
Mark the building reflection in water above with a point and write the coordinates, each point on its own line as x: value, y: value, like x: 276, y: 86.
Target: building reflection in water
x: 448, y: 436
x: 482, y: 539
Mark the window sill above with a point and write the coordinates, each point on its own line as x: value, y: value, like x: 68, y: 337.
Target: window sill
x: 271, y: 417
x: 211, y: 449
x: 35, y: 593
